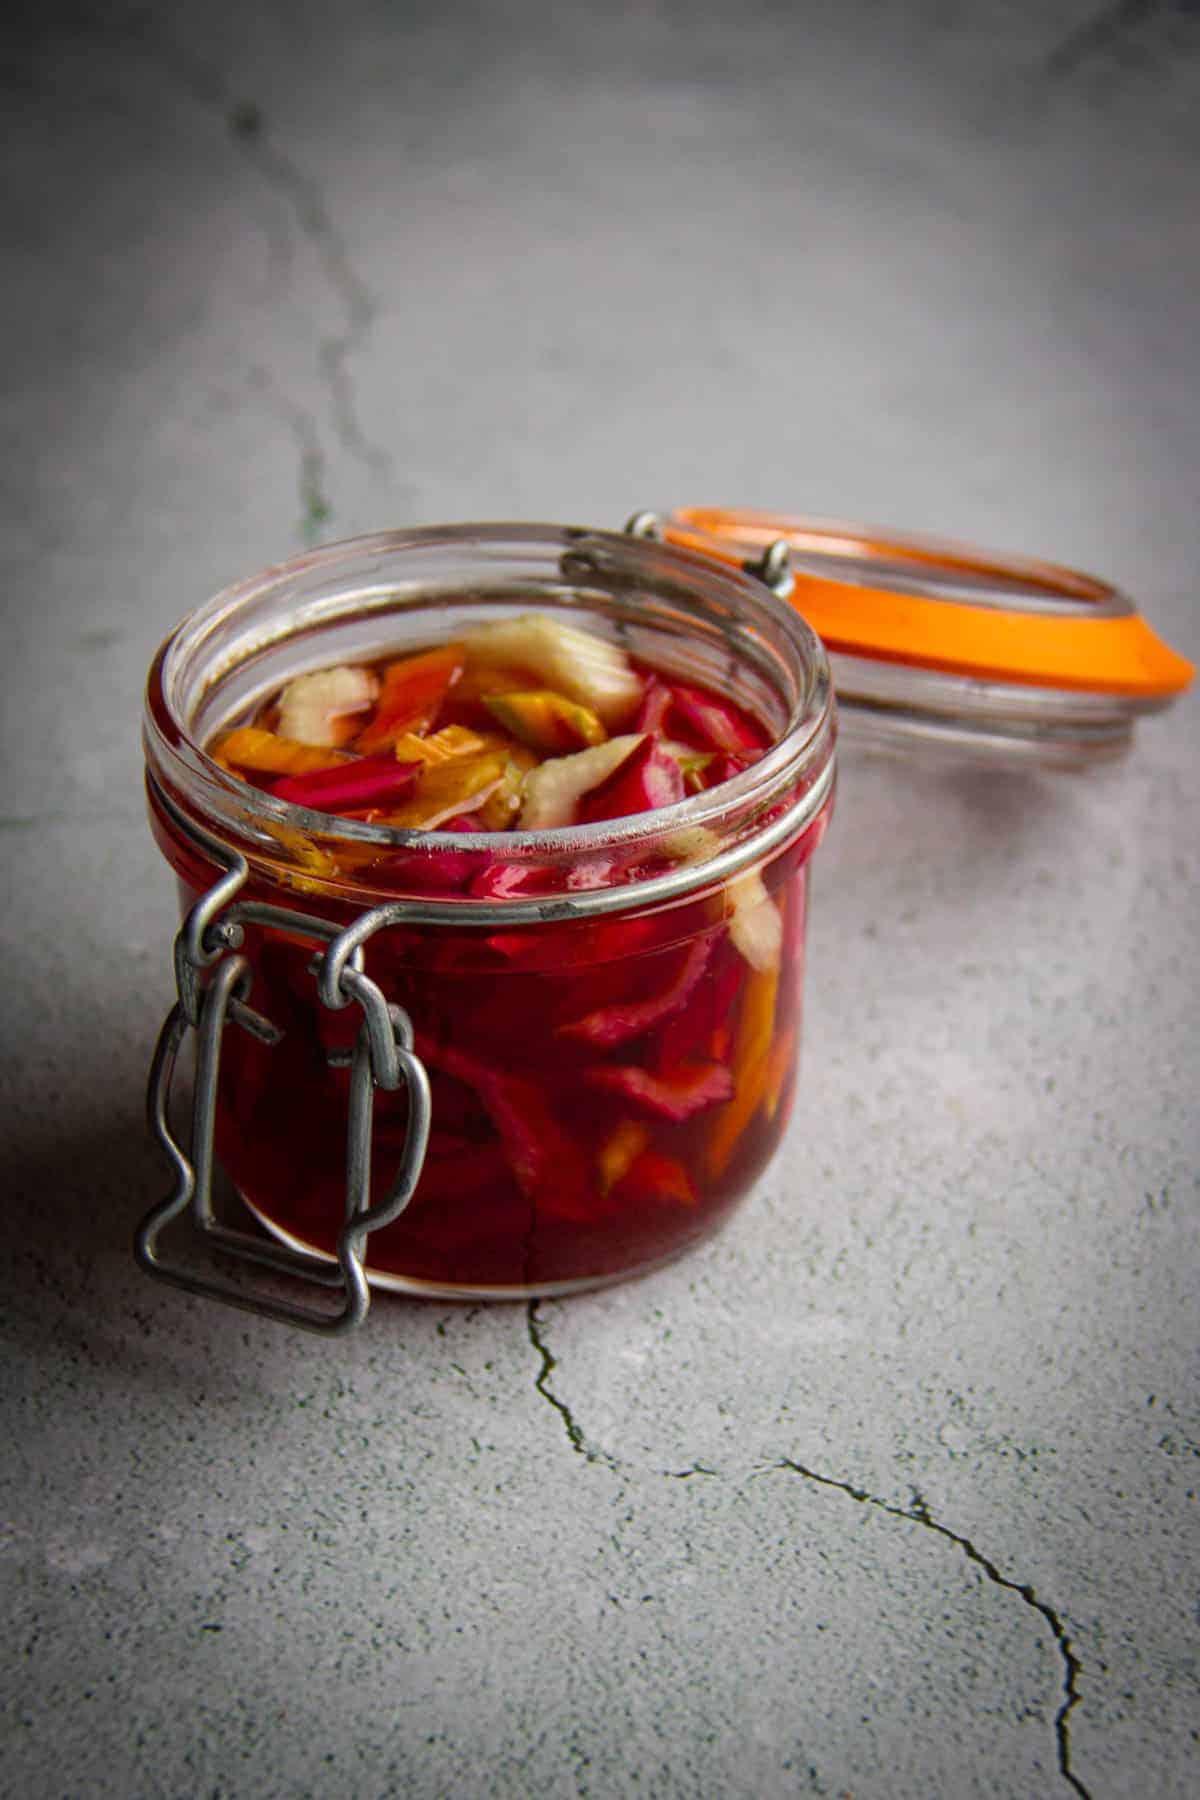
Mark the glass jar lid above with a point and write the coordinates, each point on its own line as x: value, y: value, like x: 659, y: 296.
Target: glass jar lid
x: 947, y: 643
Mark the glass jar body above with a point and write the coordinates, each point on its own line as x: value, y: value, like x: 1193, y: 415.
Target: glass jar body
x: 609, y: 1076
x: 603, y: 1092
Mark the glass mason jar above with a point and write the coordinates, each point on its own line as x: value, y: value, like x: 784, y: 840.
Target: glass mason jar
x: 518, y: 1063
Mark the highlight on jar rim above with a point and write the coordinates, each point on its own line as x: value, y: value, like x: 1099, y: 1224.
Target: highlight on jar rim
x: 493, y: 842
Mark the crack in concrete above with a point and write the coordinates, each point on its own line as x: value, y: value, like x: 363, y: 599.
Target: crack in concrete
x: 248, y: 127
x: 302, y: 193
x: 916, y: 1514
x: 1107, y: 33
x: 315, y: 506
x: 919, y: 1514
x: 578, y: 1442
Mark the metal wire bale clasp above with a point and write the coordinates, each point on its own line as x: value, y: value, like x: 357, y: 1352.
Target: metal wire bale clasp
x: 208, y: 945
x: 773, y: 566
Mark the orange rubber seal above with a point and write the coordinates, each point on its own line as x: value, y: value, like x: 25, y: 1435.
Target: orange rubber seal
x: 995, y: 618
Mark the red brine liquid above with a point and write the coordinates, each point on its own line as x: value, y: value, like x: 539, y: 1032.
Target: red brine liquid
x: 604, y: 1089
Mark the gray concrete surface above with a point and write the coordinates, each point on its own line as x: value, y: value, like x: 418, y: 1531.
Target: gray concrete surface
x: 892, y: 1490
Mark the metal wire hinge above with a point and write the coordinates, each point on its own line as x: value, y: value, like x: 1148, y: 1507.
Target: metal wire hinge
x: 773, y: 567
x: 213, y: 981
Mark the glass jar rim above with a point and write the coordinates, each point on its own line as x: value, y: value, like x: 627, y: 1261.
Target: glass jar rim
x: 797, y: 767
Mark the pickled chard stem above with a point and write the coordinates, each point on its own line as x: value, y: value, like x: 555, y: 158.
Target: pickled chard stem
x: 612, y: 1025
x: 351, y: 787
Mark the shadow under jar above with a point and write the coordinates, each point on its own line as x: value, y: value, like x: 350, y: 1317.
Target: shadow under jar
x: 608, y: 1015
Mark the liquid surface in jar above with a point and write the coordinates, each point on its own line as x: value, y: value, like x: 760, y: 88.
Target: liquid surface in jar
x: 527, y: 724
x: 604, y: 1090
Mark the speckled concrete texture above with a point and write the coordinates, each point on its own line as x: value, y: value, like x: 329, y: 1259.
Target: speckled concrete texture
x: 891, y: 1490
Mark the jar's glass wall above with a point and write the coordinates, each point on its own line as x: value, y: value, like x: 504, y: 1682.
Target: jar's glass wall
x: 611, y: 1068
